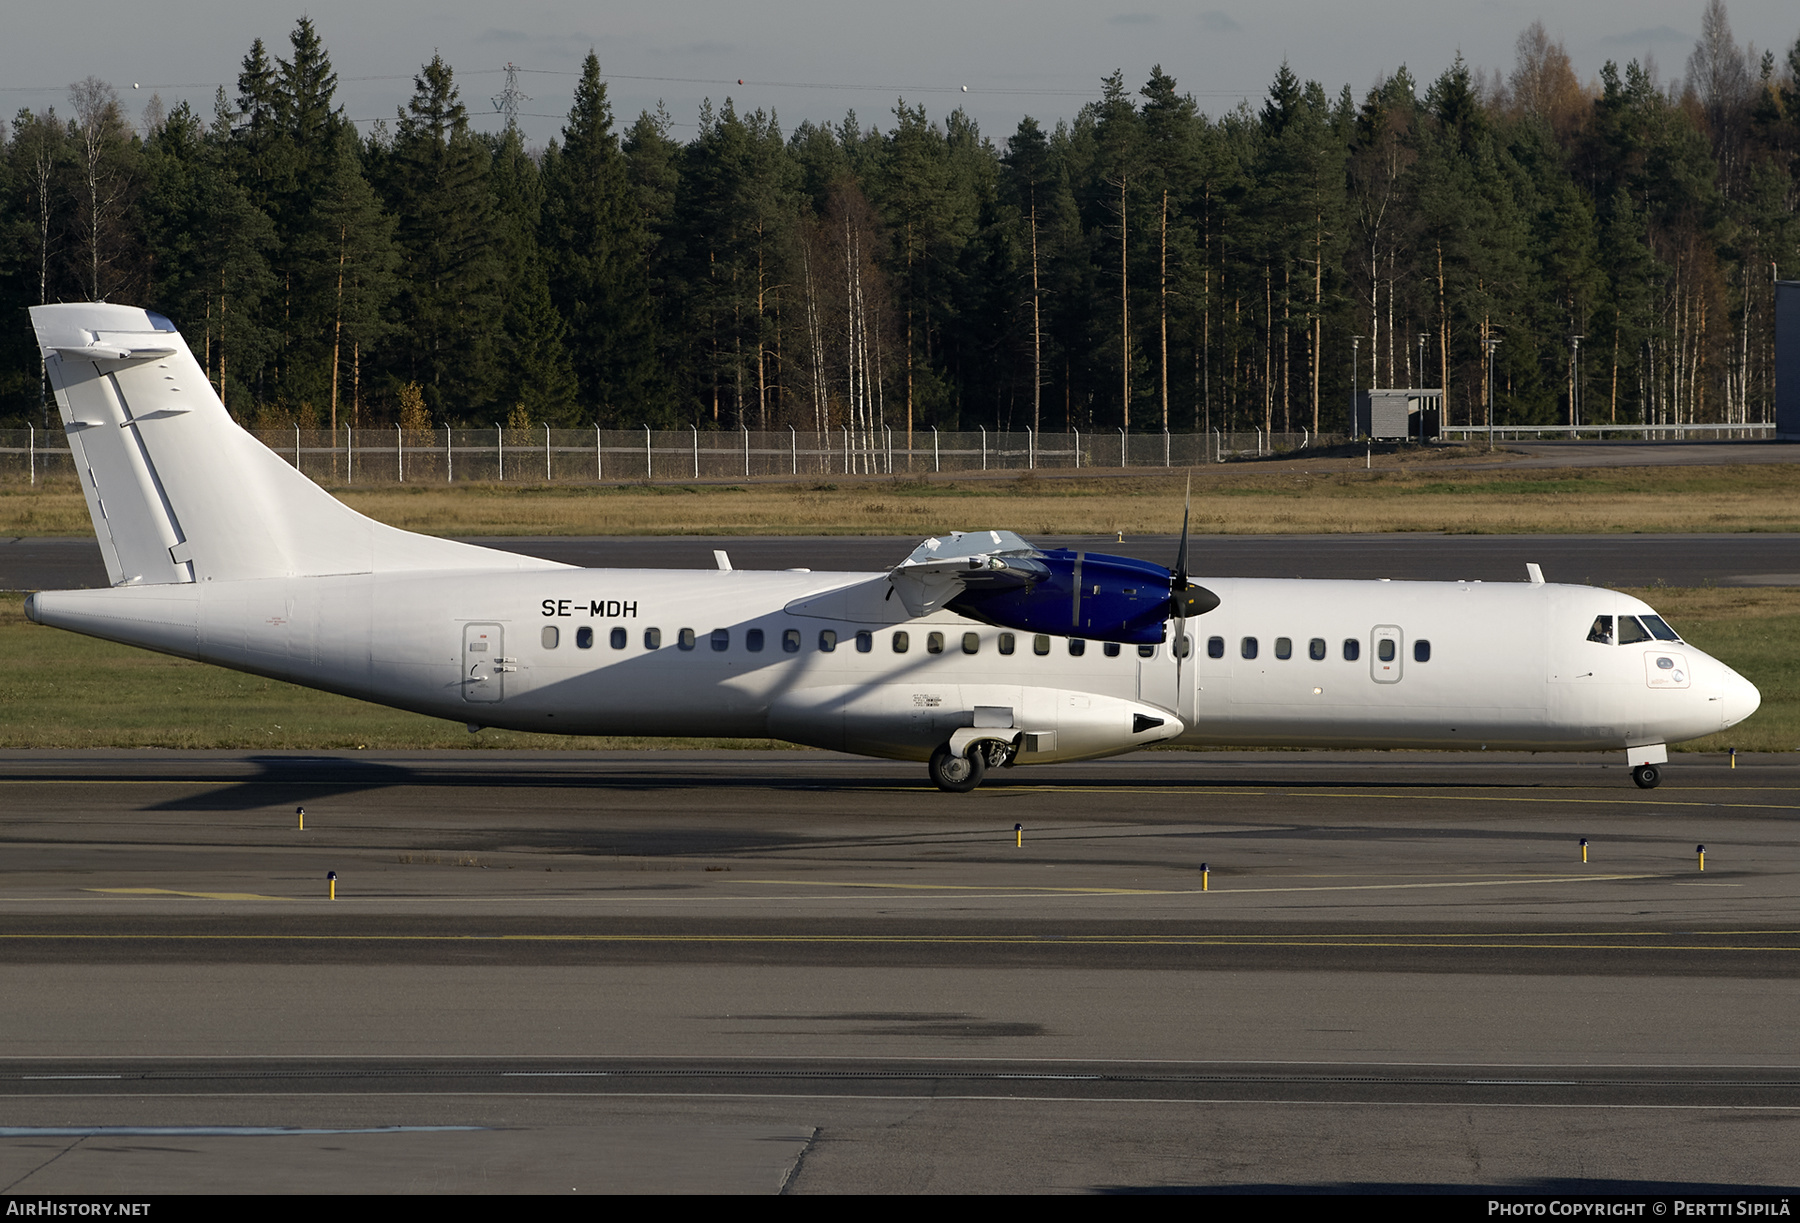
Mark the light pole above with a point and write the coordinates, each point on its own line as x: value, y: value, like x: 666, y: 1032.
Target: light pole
x: 1575, y: 383
x: 1492, y: 343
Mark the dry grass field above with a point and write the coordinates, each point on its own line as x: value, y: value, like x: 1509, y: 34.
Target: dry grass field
x: 1317, y: 495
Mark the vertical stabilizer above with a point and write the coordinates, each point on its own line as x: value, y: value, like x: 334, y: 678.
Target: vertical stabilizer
x: 178, y: 492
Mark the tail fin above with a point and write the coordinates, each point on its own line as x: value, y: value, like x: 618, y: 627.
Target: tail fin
x: 178, y: 492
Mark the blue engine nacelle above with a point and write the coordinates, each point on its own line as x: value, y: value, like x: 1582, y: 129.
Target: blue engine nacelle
x: 1086, y: 594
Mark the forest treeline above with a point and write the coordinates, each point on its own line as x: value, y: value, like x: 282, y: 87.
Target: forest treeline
x: 1143, y: 266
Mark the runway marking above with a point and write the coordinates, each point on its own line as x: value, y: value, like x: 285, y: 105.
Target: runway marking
x: 1236, y: 891
x: 1497, y: 798
x: 195, y: 895
x: 1416, y: 941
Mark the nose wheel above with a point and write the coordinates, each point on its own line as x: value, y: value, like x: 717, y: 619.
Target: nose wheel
x: 957, y: 774
x: 1647, y: 776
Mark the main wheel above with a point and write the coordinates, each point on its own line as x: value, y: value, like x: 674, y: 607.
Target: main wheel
x: 957, y: 774
x: 1647, y: 776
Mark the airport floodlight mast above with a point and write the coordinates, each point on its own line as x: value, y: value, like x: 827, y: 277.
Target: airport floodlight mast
x: 507, y: 101
x: 1492, y: 343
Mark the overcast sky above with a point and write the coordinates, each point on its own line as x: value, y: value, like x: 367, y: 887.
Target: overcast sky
x: 808, y: 59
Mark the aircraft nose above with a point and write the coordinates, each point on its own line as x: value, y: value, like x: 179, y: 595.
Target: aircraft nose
x: 1739, y: 698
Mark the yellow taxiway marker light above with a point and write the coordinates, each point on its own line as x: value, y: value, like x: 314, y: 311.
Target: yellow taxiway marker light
x: 1701, y: 850
x: 1019, y: 836
x: 331, y: 878
x: 1734, y: 757
x: 1584, y: 849
x: 301, y: 812
x: 1204, y: 877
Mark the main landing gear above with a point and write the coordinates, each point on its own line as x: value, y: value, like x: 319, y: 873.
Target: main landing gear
x: 958, y: 774
x: 1647, y: 776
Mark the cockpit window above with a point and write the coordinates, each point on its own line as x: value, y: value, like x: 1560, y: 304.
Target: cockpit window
x: 1631, y: 632
x: 1602, y: 630
x: 1657, y: 625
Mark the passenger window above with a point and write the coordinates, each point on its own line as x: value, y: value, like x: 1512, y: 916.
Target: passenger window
x: 684, y: 640
x: 971, y: 643
x: 1315, y: 649
x: 790, y: 641
x: 584, y: 638
x: 827, y: 640
x: 1384, y: 649
x: 721, y: 640
x: 1247, y: 647
x: 1284, y: 647
x: 1352, y: 649
x: 1040, y: 644
x: 551, y: 636
x: 653, y: 639
x: 1110, y: 649
x: 1631, y: 632
x: 1007, y: 643
x: 1421, y: 650
x: 753, y: 640
x: 1663, y: 632
x: 1077, y: 647
x: 618, y: 637
x: 934, y: 643
x: 902, y: 642
x: 1146, y: 651
x: 1601, y: 633
x: 1215, y: 647
x: 865, y: 641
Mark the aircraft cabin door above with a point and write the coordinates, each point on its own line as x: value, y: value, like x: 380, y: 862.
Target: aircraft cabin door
x: 1384, y: 654
x: 484, y: 662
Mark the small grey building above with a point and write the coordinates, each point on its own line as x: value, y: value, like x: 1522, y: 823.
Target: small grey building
x: 1399, y: 413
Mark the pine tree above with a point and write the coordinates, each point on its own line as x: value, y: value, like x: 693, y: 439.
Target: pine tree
x: 595, y: 245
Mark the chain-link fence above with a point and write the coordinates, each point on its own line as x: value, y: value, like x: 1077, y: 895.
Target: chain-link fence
x: 585, y: 456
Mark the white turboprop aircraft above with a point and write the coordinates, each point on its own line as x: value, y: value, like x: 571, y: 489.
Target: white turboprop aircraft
x: 977, y: 651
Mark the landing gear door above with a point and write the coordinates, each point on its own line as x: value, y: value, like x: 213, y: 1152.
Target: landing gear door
x: 1385, y: 641
x: 484, y: 662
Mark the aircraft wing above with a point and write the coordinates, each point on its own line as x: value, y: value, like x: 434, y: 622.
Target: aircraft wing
x: 939, y: 570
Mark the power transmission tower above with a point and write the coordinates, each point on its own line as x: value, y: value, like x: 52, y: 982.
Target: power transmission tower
x: 508, y: 99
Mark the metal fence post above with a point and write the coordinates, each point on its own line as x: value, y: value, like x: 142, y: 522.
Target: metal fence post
x: 31, y: 446
x: 846, y: 449
x: 547, y: 476
x: 399, y: 454
x: 649, y: 471
x: 599, y: 463
x: 1030, y: 450
x: 794, y: 447
x: 983, y: 429
x: 696, y: 429
x: 1124, y: 454
x: 746, y: 429
x: 449, y: 458
x: 1078, y: 449
x: 500, y: 450
x: 890, y: 448
x: 936, y: 462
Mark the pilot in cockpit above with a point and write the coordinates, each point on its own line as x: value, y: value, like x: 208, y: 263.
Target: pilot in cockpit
x: 1602, y: 631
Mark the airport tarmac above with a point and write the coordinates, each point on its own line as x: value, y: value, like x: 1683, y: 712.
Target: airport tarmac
x: 1599, y: 560
x: 800, y: 972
